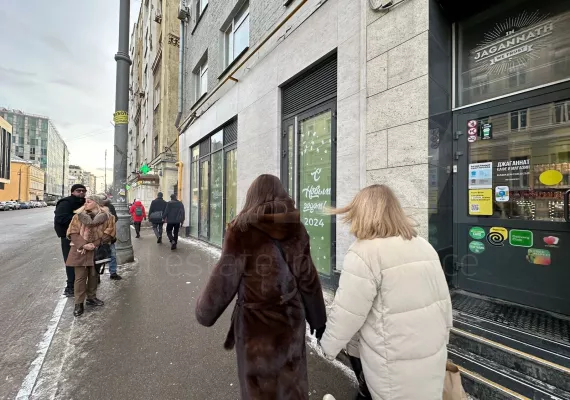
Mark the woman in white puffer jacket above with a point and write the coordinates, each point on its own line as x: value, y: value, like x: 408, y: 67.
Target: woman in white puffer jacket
x: 393, y: 292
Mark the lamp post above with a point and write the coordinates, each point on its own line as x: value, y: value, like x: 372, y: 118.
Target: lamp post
x: 124, y: 245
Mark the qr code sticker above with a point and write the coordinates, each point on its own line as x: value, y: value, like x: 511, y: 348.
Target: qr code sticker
x: 474, y: 207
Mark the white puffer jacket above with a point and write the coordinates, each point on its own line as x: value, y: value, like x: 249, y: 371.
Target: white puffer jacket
x: 393, y: 291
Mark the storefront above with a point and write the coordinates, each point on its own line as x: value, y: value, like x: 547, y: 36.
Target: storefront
x: 213, y: 184
x: 511, y: 124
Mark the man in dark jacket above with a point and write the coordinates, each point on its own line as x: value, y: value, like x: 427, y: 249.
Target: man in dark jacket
x: 174, y: 217
x: 156, y: 215
x: 64, y: 212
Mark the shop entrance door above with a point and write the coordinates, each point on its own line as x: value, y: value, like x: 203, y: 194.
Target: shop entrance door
x: 511, y: 213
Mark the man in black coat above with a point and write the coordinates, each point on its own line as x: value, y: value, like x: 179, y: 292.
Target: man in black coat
x: 64, y: 212
x: 156, y: 215
x: 174, y: 217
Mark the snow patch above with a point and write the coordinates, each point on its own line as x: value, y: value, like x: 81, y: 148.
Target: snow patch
x: 214, y: 251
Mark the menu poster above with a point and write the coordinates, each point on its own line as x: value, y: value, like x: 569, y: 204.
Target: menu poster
x: 481, y: 175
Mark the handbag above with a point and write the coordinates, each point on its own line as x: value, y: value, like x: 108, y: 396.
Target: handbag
x: 155, y: 217
x: 103, y: 254
x: 452, y: 386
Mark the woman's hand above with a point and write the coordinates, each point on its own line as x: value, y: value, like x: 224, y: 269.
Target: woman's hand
x: 89, y: 246
x: 318, y: 332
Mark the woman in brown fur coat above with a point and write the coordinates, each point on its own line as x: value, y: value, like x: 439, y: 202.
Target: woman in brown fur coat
x: 91, y: 226
x: 266, y: 261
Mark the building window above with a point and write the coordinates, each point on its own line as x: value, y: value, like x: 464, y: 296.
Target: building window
x: 155, y: 147
x: 213, y: 184
x: 518, y: 120
x: 561, y: 114
x: 237, y: 35
x: 200, y: 7
x: 156, y: 96
x: 201, y: 78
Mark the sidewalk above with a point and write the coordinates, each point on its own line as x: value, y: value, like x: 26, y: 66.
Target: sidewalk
x: 146, y: 344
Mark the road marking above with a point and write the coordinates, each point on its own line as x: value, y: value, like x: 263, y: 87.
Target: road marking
x: 30, y: 381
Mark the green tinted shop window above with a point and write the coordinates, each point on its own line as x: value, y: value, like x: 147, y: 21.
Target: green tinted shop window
x: 216, y: 198
x: 194, y: 190
x: 231, y: 185
x: 204, y: 198
x: 315, y: 186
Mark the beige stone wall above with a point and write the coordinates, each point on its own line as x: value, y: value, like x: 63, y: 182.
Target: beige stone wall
x: 397, y: 104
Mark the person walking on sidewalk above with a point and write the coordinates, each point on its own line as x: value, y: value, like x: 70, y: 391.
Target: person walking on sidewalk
x: 266, y: 261
x: 174, y: 215
x: 393, y: 292
x: 106, y: 202
x: 138, y: 213
x: 64, y: 211
x: 156, y: 215
x: 91, y: 226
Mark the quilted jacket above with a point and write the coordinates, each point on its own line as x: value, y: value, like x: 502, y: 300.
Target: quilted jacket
x: 394, y: 293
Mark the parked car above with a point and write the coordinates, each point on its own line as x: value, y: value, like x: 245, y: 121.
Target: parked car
x: 52, y: 203
x: 15, y: 205
x: 44, y: 204
x: 4, y: 206
x: 24, y: 205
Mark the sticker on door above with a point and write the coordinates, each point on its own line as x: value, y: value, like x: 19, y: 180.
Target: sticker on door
x: 520, y: 238
x: 539, y: 256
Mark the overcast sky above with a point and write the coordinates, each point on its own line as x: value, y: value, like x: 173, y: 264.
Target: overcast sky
x: 57, y: 60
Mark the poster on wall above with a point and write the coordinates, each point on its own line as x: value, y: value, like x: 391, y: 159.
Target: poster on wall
x: 481, y: 175
x: 481, y: 202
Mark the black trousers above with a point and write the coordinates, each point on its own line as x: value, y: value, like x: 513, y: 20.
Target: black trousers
x: 137, y: 227
x: 172, y: 232
x: 69, y: 271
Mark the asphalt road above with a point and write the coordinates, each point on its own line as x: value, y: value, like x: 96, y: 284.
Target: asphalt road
x: 143, y: 344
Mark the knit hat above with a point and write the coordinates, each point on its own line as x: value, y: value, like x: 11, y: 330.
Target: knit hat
x: 97, y: 199
x: 77, y: 186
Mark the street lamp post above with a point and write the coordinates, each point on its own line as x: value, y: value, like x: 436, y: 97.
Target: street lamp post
x: 124, y: 245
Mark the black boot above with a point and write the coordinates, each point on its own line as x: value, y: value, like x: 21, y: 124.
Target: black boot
x: 78, y: 310
x: 159, y: 240
x: 94, y: 302
x: 173, y: 245
x: 68, y: 292
x: 116, y: 277
x: 363, y: 392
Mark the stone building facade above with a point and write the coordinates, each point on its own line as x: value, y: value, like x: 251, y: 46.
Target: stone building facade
x: 153, y: 105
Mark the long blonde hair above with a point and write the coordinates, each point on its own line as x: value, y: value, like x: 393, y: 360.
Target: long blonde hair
x: 375, y: 212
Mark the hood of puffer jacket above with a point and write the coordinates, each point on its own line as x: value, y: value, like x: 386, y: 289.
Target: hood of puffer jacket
x: 137, y: 203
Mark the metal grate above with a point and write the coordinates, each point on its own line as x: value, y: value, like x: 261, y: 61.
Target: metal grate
x: 517, y: 317
x: 315, y: 86
x: 230, y: 133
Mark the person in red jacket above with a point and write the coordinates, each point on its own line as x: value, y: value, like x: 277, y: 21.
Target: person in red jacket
x: 138, y: 213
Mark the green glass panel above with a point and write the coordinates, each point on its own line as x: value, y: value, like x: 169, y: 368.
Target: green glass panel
x: 231, y: 185
x: 204, y: 198
x: 216, y: 198
x: 194, y: 200
x: 315, y: 186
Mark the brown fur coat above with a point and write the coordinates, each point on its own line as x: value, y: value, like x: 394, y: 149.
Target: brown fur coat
x: 86, y: 228
x: 274, y: 299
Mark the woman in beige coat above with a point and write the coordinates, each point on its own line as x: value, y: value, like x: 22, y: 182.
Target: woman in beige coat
x: 392, y: 292
x: 91, y: 226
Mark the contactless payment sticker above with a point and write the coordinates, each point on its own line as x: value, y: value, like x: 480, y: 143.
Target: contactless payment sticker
x: 502, y: 194
x: 538, y: 256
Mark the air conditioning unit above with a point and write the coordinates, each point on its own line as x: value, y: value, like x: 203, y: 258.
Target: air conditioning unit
x: 183, y: 10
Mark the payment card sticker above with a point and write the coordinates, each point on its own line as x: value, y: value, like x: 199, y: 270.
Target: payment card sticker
x: 538, y: 256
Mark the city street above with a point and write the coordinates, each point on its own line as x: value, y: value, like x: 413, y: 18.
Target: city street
x: 145, y: 342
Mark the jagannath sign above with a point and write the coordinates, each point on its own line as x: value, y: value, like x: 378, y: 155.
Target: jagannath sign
x: 513, y: 42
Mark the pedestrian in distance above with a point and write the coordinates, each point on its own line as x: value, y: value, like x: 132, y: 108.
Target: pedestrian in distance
x: 91, y: 226
x: 64, y: 212
x: 266, y: 262
x: 156, y: 215
x: 393, y: 293
x: 174, y: 215
x: 138, y: 213
x: 106, y: 202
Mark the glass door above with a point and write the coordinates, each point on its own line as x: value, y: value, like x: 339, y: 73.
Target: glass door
x: 308, y: 173
x: 204, y: 228
x: 511, y: 203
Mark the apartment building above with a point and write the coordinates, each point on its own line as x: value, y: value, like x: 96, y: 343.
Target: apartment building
x: 5, y: 151
x: 36, y: 139
x: 461, y: 108
x: 153, y: 106
x: 26, y: 181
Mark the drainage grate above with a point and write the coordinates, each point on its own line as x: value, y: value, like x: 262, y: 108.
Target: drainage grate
x: 517, y: 317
